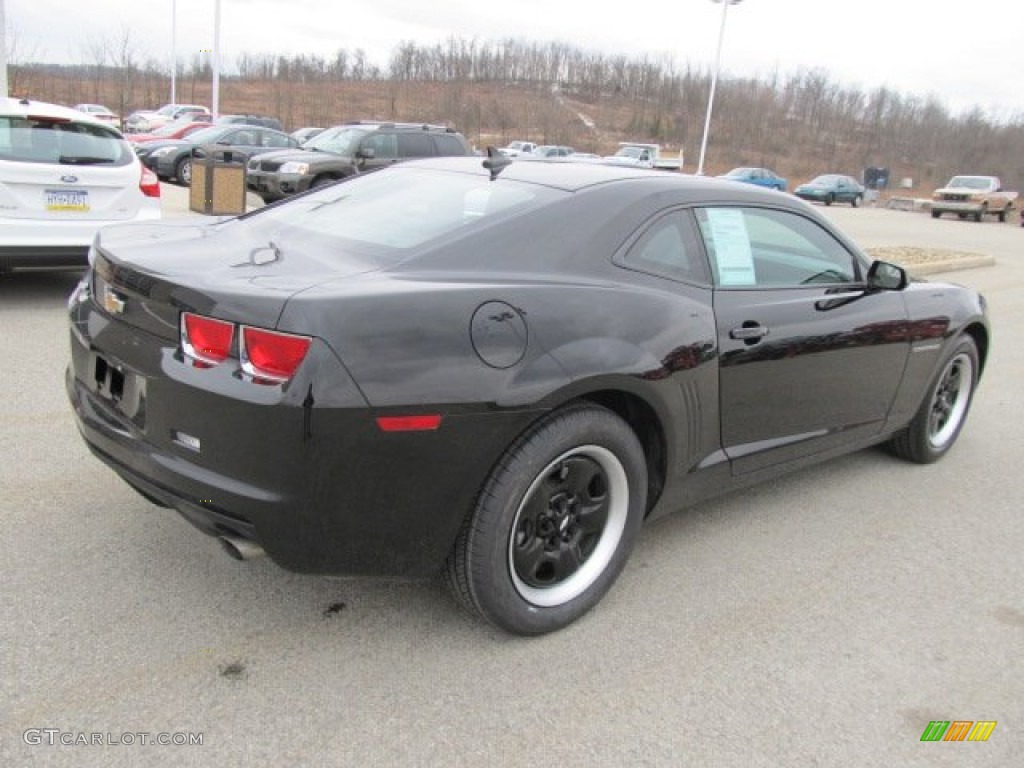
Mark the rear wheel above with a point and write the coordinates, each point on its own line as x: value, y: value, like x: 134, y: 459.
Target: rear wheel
x: 1003, y: 214
x: 936, y: 214
x: 943, y: 411
x: 554, y: 524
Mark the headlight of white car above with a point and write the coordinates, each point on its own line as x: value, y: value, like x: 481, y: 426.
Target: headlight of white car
x: 300, y: 168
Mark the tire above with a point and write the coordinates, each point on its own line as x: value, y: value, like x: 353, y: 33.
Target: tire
x: 554, y: 524
x: 942, y: 413
x: 856, y: 201
x: 183, y: 171
x: 936, y: 214
x: 980, y: 214
x: 321, y: 181
x: 1003, y: 214
x: 830, y: 199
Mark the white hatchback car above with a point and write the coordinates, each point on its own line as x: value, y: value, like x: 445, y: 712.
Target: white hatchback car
x: 63, y: 176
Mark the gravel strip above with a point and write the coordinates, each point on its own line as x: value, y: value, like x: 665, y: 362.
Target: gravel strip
x: 929, y: 261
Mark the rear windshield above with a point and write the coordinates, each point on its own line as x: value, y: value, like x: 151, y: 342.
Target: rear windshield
x: 41, y: 140
x: 401, y: 208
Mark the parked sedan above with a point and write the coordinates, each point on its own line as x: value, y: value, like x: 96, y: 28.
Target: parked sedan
x: 832, y: 188
x: 143, y: 121
x: 174, y: 130
x: 101, y: 113
x: 761, y: 177
x: 63, y: 176
x: 423, y: 368
x: 172, y: 159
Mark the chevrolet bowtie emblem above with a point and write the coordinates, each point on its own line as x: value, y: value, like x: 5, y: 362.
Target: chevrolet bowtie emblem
x: 113, y: 303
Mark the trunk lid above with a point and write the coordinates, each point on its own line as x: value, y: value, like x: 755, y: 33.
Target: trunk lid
x: 232, y: 269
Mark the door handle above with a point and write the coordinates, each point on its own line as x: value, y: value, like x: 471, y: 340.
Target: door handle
x: 748, y: 332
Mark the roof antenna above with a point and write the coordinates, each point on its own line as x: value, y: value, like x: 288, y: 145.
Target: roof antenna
x: 496, y: 161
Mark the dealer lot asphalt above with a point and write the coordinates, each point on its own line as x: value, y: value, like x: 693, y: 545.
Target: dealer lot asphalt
x: 823, y: 619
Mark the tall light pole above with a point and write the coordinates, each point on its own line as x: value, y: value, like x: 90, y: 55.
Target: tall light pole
x: 215, y: 106
x: 3, y: 49
x: 714, y: 83
x: 174, y: 49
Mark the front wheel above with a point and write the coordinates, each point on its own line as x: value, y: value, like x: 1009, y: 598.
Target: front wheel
x: 830, y: 198
x: 183, y: 171
x: 554, y: 523
x: 856, y: 201
x: 943, y: 411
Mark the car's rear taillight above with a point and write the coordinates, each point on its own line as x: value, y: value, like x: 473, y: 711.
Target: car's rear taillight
x: 206, y: 339
x: 149, y: 183
x: 271, y: 355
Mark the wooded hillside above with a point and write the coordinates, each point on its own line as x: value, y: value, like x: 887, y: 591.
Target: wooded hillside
x: 799, y: 124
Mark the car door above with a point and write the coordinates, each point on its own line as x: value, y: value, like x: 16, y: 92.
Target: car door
x: 844, y: 191
x: 809, y: 359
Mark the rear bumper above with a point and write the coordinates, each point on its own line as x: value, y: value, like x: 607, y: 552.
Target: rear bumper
x: 302, y: 470
x: 953, y: 206
x: 48, y: 243
x: 43, y: 256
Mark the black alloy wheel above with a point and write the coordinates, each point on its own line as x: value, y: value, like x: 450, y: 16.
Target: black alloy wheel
x: 943, y: 411
x: 554, y: 524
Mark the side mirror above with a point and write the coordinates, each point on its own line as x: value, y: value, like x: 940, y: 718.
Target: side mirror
x: 883, y: 276
x: 367, y: 153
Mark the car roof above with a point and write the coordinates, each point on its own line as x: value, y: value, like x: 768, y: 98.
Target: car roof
x: 27, y: 108
x: 572, y: 176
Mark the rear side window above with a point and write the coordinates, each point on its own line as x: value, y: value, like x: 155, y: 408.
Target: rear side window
x: 276, y: 140
x: 38, y: 140
x: 415, y: 145
x: 669, y: 248
x: 448, y: 145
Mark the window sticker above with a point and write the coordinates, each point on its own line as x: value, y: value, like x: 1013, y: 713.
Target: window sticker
x: 732, y: 246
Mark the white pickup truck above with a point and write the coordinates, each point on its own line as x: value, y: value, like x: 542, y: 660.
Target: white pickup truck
x: 645, y: 156
x: 973, y: 196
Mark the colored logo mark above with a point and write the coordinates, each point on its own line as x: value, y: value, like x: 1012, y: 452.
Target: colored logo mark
x: 958, y: 730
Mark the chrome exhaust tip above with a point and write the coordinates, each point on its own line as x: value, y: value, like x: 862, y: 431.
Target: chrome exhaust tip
x: 241, y: 549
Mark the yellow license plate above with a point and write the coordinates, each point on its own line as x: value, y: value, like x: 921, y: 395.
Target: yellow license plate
x: 67, y: 200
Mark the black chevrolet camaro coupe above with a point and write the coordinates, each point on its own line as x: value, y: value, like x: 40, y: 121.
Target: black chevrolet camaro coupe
x: 500, y: 369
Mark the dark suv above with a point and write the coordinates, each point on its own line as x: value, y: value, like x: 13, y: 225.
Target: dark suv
x: 344, y: 150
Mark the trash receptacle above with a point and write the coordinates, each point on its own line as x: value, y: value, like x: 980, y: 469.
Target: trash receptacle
x: 218, y: 181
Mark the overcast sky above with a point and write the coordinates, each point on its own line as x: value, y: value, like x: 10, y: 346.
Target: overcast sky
x: 964, y: 53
